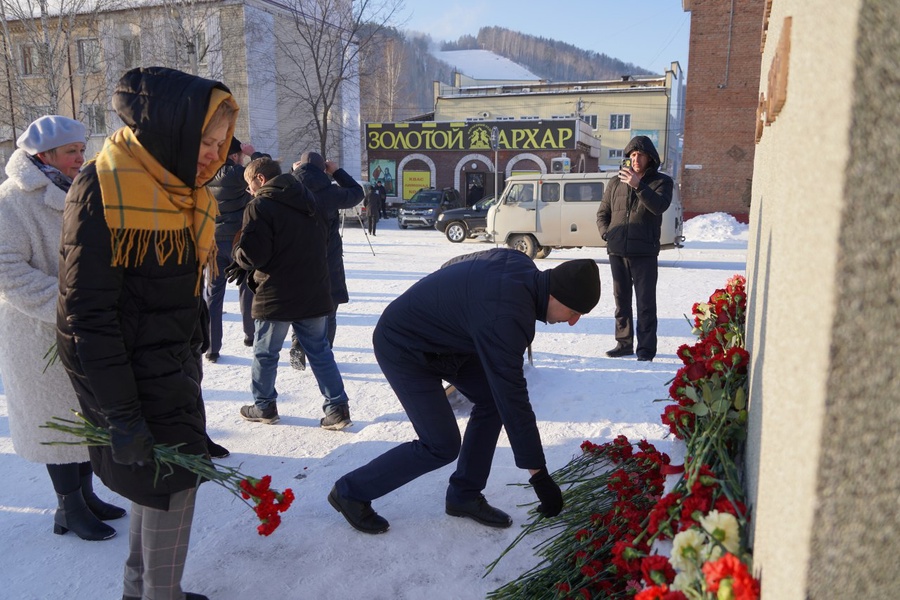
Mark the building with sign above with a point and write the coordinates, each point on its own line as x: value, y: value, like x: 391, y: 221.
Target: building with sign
x: 540, y: 127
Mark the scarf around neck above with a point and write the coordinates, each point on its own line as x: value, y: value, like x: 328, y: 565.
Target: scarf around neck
x: 145, y: 205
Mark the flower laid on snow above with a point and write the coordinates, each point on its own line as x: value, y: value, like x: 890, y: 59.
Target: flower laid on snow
x: 266, y: 502
x: 616, y: 509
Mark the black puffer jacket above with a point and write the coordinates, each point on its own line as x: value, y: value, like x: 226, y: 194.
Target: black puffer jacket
x: 330, y: 199
x: 125, y: 333
x: 283, y: 243
x: 230, y: 190
x: 630, y: 220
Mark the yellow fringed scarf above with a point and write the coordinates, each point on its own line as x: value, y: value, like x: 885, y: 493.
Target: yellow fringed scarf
x: 142, y: 199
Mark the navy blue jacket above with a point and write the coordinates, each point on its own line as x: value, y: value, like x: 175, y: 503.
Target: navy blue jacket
x: 483, y: 304
x: 330, y: 199
x: 230, y: 190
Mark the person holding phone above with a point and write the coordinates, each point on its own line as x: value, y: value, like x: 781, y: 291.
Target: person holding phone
x: 629, y: 220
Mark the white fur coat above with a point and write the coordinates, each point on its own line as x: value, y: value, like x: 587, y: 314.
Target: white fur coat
x: 31, y: 211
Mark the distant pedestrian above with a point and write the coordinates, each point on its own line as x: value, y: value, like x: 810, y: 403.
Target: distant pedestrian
x: 630, y: 220
x: 373, y: 208
x: 382, y: 194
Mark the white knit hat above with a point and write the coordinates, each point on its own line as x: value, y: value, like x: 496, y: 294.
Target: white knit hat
x: 50, y: 132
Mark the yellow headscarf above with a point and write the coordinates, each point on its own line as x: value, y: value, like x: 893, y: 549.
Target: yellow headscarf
x: 143, y: 201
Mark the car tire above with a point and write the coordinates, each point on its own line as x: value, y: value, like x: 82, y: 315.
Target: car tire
x: 526, y: 244
x: 544, y: 252
x: 456, y: 232
x: 403, y: 226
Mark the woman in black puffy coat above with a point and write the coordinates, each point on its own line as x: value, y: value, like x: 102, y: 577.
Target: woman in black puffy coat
x: 138, y: 229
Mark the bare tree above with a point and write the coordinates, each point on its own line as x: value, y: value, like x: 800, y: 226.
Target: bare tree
x: 329, y: 37
x: 51, y: 53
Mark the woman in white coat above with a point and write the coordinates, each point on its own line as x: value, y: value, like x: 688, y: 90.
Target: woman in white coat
x: 49, y: 155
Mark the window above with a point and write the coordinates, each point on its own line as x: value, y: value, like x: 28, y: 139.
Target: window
x: 202, y: 48
x: 620, y: 122
x: 131, y: 52
x: 32, y: 113
x: 520, y: 192
x: 550, y: 192
x: 616, y: 153
x: 96, y: 119
x: 584, y: 192
x: 590, y: 120
x: 31, y: 61
x: 88, y: 55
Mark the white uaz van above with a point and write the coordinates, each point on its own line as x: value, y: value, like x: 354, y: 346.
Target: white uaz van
x: 537, y: 213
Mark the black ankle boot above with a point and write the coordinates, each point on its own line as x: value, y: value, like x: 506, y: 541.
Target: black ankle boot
x: 73, y: 513
x: 102, y: 510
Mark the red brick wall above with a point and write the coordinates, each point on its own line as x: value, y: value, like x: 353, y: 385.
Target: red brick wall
x: 720, y: 113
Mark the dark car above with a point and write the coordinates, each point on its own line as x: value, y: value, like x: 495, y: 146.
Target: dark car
x: 426, y: 205
x: 461, y: 223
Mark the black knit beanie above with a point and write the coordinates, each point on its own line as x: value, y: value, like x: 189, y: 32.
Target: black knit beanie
x: 576, y: 284
x: 312, y: 158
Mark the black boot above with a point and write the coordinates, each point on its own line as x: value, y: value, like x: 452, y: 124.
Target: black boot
x: 102, y: 510
x: 73, y: 513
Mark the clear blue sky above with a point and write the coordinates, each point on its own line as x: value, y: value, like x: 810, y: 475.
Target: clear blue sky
x: 648, y: 33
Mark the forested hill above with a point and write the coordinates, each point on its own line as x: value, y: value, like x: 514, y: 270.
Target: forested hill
x: 550, y: 59
x: 396, y: 75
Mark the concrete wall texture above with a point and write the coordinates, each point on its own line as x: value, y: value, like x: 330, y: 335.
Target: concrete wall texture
x: 720, y: 104
x: 823, y: 455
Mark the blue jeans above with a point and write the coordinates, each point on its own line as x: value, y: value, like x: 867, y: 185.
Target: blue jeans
x: 312, y: 333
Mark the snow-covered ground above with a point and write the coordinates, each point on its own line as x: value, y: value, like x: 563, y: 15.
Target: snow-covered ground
x: 577, y: 394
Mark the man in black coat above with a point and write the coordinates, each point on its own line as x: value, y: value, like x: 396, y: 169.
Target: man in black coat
x: 382, y: 195
x: 316, y: 174
x: 630, y: 219
x: 282, y: 251
x: 469, y: 324
x: 373, y: 209
x: 230, y: 190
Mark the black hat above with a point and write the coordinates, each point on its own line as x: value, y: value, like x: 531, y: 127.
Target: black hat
x: 576, y: 284
x: 313, y: 158
x: 235, y: 146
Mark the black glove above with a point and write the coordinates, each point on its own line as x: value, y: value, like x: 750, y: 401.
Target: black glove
x: 131, y: 441
x: 547, y: 492
x: 236, y: 274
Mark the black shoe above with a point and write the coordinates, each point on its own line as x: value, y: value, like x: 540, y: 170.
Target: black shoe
x: 248, y: 341
x: 359, y: 514
x: 336, y: 420
x: 252, y: 413
x: 73, y: 513
x: 298, y: 359
x: 479, y: 510
x: 215, y: 450
x: 645, y: 358
x: 212, y: 357
x: 187, y: 596
x: 100, y: 509
x: 620, y: 350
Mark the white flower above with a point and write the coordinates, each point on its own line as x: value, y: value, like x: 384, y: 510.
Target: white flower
x: 684, y: 582
x: 688, y: 550
x: 722, y: 527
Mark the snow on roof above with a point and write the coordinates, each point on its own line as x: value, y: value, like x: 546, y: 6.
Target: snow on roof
x: 483, y: 64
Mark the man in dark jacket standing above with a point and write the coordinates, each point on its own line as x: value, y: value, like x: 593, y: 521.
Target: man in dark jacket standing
x: 137, y: 234
x: 630, y: 219
x: 373, y: 209
x: 382, y: 195
x: 488, y: 303
x: 316, y: 174
x: 283, y: 248
x: 230, y: 190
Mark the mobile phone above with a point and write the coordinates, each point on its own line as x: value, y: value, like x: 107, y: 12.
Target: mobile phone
x: 626, y: 163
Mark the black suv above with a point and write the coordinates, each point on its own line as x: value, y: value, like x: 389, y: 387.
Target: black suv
x: 425, y: 206
x: 461, y: 223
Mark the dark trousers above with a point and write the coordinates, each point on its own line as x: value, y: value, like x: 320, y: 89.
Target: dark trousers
x: 421, y: 392
x: 216, y: 298
x: 639, y: 273
x: 373, y: 221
